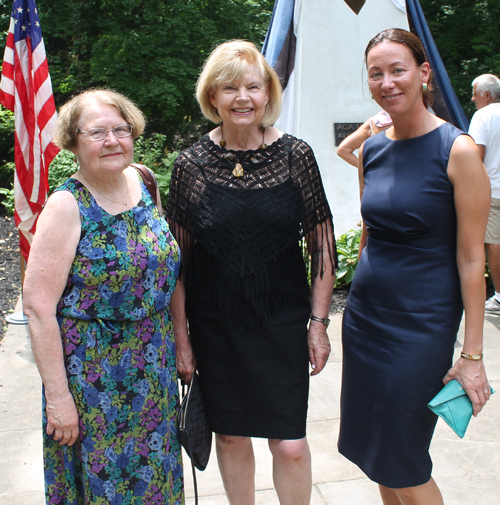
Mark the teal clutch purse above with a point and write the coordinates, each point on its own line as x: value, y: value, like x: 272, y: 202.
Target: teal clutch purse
x: 454, y: 406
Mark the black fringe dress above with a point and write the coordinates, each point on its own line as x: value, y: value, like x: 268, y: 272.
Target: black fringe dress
x: 247, y: 294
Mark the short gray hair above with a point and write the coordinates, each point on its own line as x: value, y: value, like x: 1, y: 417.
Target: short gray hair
x: 487, y: 82
x: 65, y: 133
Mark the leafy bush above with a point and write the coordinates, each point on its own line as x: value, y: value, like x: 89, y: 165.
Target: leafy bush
x: 63, y: 166
x: 8, y: 199
x: 7, y: 166
x: 6, y: 143
x: 163, y: 177
x: 347, y: 249
x: 151, y: 151
x: 307, y: 259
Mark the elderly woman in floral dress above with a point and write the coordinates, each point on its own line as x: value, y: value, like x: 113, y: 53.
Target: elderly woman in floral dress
x: 101, y: 272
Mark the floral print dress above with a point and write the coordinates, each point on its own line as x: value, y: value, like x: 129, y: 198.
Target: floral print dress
x: 119, y: 350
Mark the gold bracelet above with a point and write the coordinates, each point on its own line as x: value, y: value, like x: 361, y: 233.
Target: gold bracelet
x: 473, y: 357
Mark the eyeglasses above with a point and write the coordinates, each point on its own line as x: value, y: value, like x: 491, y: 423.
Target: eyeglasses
x: 120, y: 131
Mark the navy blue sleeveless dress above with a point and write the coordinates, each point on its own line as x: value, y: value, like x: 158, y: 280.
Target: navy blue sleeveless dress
x: 404, y: 308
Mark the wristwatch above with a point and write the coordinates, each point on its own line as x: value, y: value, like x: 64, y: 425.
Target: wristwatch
x: 325, y: 320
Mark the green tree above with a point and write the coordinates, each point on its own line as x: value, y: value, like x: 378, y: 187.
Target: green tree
x: 6, y: 147
x: 151, y: 51
x: 467, y: 36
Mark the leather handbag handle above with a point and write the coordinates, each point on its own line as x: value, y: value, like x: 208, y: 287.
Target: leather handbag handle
x: 150, y: 183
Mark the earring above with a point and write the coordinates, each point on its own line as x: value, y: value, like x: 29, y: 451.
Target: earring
x: 424, y: 86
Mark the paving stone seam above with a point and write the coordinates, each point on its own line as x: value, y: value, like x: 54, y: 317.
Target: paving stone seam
x: 318, y: 491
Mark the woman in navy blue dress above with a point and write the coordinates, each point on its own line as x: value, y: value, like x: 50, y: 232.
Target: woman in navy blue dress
x: 425, y: 200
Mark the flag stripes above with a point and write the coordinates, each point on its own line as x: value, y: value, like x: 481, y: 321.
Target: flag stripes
x: 26, y: 90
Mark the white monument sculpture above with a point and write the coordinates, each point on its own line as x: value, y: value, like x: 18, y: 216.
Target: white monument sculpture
x: 328, y: 86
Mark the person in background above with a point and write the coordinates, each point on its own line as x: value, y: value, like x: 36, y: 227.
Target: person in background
x: 376, y: 124
x: 485, y: 130
x: 425, y: 197
x: 101, y: 272
x: 241, y: 199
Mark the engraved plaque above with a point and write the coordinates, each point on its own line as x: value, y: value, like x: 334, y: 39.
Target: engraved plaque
x: 343, y: 130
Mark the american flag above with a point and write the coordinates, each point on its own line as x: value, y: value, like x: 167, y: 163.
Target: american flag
x: 26, y: 90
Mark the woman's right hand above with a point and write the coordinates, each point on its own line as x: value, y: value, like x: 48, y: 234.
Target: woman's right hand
x: 62, y: 419
x: 185, y: 361
x: 472, y: 376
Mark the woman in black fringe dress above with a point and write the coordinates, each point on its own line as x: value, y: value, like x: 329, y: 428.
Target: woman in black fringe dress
x: 241, y: 199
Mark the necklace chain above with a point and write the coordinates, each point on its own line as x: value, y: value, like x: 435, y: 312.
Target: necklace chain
x: 238, y: 168
x: 102, y: 194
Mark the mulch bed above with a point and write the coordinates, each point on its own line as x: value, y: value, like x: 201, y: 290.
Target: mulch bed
x: 339, y: 300
x: 10, y: 269
x: 10, y: 274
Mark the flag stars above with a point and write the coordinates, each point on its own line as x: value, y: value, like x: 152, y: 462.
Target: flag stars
x: 20, y: 10
x: 37, y: 24
x: 23, y: 28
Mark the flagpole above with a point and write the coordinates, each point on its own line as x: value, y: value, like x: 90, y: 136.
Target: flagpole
x: 19, y: 317
x: 26, y: 90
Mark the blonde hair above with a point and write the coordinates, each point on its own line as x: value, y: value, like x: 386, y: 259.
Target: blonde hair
x: 227, y: 63
x: 65, y: 134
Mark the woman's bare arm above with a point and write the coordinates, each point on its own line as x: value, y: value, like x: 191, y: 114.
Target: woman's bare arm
x: 472, y: 202
x: 51, y: 256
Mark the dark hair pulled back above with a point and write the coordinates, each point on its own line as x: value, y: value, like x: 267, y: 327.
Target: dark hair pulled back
x: 412, y: 42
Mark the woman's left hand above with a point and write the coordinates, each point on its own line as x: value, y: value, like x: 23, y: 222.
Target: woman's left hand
x: 319, y: 346
x: 185, y: 362
x: 472, y: 375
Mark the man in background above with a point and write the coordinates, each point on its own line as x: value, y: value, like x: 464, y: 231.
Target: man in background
x: 485, y: 130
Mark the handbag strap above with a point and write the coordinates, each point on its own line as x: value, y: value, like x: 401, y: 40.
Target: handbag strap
x: 195, y: 484
x: 149, y: 182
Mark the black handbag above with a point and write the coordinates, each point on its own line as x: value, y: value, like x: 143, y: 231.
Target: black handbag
x: 194, y: 433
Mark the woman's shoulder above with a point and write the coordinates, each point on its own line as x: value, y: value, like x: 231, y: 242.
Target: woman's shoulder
x: 462, y: 143
x: 294, y: 144
x: 62, y: 203
x: 465, y: 163
x: 452, y: 138
x: 204, y: 142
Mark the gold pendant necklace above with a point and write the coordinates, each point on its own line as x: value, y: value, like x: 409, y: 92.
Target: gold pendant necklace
x: 103, y: 195
x: 238, y: 168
